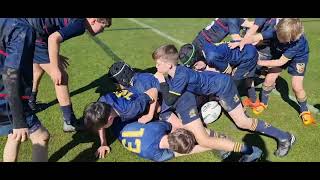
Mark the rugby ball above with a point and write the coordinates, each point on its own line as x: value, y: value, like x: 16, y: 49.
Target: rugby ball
x: 210, y: 112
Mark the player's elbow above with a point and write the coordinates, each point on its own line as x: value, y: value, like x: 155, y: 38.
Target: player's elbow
x: 55, y: 38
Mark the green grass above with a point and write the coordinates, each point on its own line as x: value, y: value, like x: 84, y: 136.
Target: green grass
x: 91, y: 57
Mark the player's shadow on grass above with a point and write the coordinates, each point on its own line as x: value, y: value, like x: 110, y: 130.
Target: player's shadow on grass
x: 317, y: 106
x: 78, y: 138
x: 103, y: 84
x: 283, y: 88
x: 254, y: 140
x: 151, y: 70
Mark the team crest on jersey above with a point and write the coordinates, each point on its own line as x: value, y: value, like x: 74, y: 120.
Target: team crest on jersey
x: 300, y: 67
x: 235, y: 98
x: 266, y: 125
x: 192, y: 113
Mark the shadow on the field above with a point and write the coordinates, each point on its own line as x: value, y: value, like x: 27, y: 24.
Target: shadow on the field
x: 127, y: 29
x: 106, y: 48
x: 78, y: 138
x: 317, y: 106
x: 148, y: 70
x: 254, y: 140
x: 103, y: 84
x: 283, y: 89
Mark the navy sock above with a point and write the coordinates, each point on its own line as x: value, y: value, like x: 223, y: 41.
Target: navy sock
x: 303, y: 106
x: 33, y: 96
x: 267, y: 129
x: 252, y: 94
x: 245, y: 149
x: 68, y: 114
x: 265, y: 96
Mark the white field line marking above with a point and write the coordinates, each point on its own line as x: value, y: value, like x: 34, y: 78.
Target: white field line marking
x: 157, y: 31
x: 311, y: 107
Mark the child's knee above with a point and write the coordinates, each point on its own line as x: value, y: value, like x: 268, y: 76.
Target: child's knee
x: 40, y: 136
x: 297, y: 88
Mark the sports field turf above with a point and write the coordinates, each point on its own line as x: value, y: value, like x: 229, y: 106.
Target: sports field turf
x: 90, y: 58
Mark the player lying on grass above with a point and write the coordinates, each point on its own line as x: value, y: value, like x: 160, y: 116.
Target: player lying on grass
x: 149, y: 140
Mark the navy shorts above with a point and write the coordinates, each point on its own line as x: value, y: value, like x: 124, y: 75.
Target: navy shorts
x: 185, y: 108
x: 296, y: 68
x: 6, y: 127
x: 41, y: 54
x: 229, y: 99
x: 246, y: 70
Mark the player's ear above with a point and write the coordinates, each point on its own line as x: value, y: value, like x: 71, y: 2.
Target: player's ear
x: 92, y: 21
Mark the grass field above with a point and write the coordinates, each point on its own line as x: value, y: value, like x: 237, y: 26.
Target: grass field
x: 90, y: 58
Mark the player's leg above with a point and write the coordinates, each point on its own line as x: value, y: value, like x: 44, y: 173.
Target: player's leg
x: 301, y: 96
x: 267, y: 87
x: 285, y: 139
x: 40, y: 139
x: 41, y: 57
x: 11, y: 149
x: 252, y: 100
x: 186, y: 108
x: 63, y: 96
x: 230, y: 102
x: 37, y: 75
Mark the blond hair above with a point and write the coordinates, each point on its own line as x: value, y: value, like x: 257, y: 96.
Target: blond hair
x: 168, y: 53
x: 289, y: 29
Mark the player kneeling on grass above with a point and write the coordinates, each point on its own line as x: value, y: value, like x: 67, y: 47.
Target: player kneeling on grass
x: 181, y: 79
x: 290, y: 49
x: 16, y: 118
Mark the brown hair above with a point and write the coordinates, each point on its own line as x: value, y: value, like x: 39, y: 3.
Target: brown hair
x: 168, y: 52
x: 181, y: 141
x: 107, y: 21
x: 289, y: 29
x: 95, y: 115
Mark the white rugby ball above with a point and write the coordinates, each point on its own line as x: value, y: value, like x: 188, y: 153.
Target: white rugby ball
x: 210, y: 111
